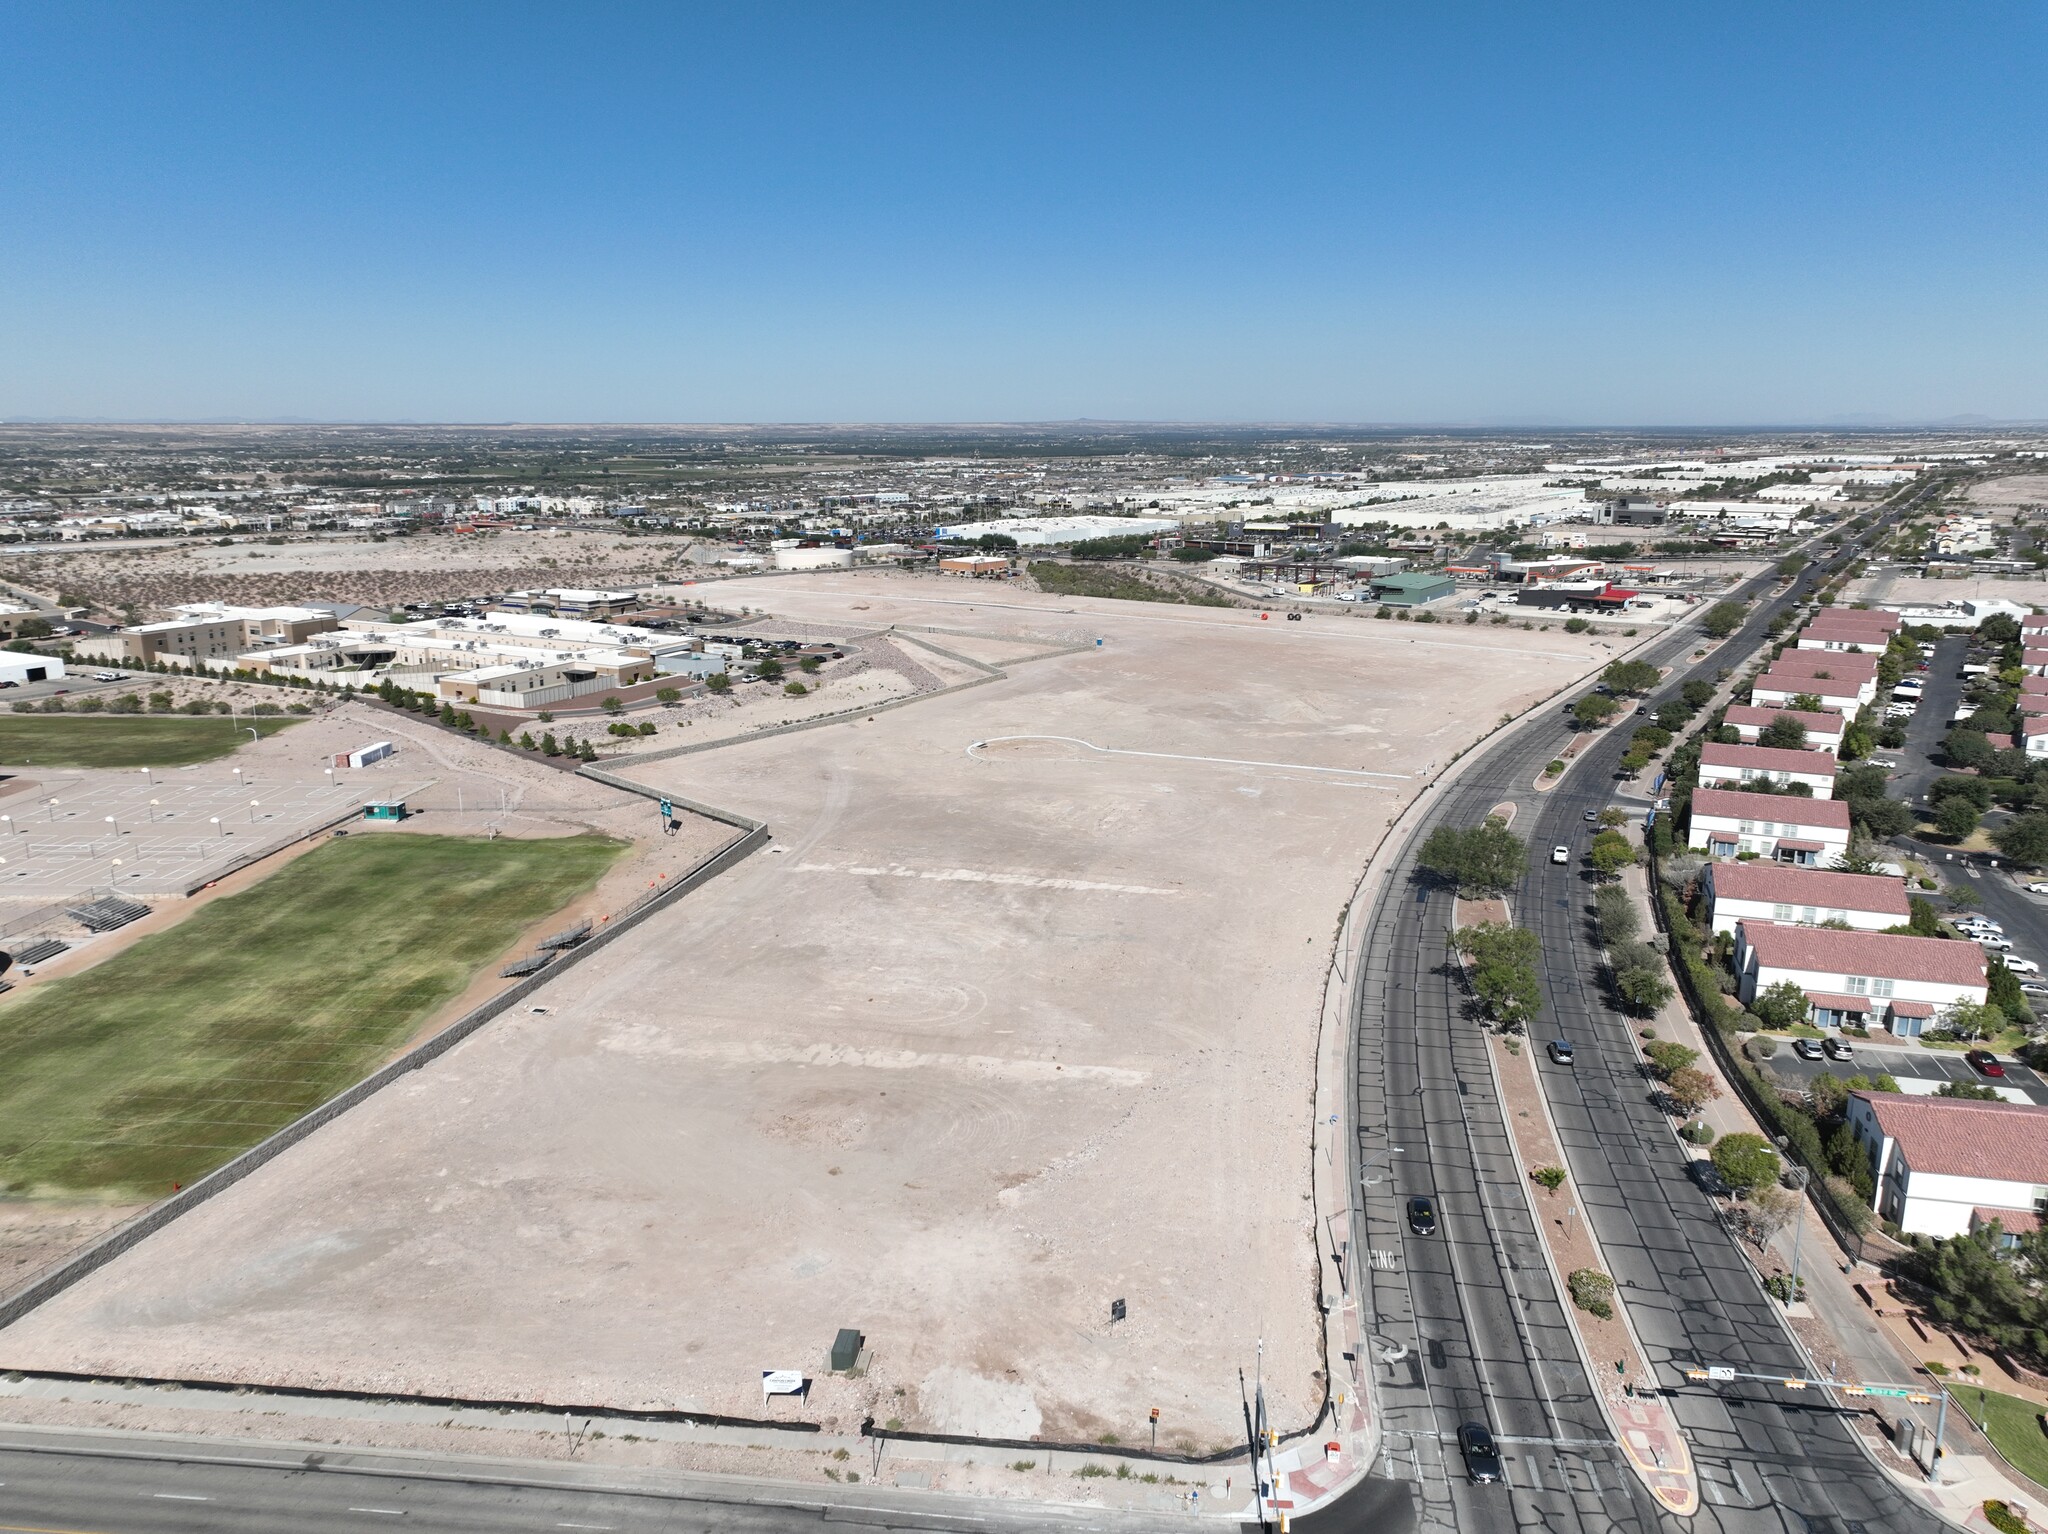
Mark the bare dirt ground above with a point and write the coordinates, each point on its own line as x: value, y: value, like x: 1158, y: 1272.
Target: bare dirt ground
x: 307, y: 568
x: 1015, y: 1019
x: 2013, y: 490
x: 1922, y: 591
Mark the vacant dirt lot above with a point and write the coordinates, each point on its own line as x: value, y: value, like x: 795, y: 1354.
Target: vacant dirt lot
x: 1015, y: 1019
x: 2013, y: 490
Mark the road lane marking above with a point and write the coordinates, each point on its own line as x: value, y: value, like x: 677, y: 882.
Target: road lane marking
x: 586, y: 1525
x: 382, y: 1512
x: 178, y: 1496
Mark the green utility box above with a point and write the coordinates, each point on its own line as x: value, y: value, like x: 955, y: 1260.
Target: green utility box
x: 845, y: 1350
x: 390, y: 809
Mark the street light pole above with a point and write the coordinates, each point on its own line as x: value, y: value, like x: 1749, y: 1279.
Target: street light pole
x: 1802, y: 1177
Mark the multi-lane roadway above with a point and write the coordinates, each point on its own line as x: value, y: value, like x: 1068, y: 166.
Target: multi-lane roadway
x: 1473, y: 1305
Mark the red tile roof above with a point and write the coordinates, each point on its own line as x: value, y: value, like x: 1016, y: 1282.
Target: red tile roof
x: 1913, y: 1009
x: 1813, y: 724
x: 1768, y: 759
x: 1837, y: 1003
x: 1786, y: 809
x: 1825, y: 950
x: 1796, y: 682
x: 2034, y: 724
x: 2034, y: 684
x: 2032, y: 703
x: 1786, y: 844
x: 1890, y: 622
x: 1962, y: 1137
x: 2014, y: 1222
x: 1834, y: 662
x: 1809, y: 886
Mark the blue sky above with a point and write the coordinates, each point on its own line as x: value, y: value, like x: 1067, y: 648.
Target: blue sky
x: 1572, y: 213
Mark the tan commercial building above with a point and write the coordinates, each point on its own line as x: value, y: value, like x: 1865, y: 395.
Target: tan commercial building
x: 974, y: 564
x: 206, y: 633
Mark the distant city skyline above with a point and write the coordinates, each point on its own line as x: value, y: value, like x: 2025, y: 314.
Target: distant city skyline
x: 1479, y: 217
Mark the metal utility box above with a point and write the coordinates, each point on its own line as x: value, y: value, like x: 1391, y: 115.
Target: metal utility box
x: 845, y: 1349
x: 390, y: 809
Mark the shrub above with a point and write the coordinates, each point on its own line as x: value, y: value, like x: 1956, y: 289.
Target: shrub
x: 794, y: 689
x: 1551, y: 1177
x: 1670, y: 1058
x: 1761, y: 1047
x: 1591, y: 1291
x: 2003, y: 1518
x: 668, y: 695
x: 1697, y: 1133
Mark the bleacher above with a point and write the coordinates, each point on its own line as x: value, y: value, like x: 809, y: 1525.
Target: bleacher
x: 105, y: 915
x: 524, y: 966
x: 36, y: 950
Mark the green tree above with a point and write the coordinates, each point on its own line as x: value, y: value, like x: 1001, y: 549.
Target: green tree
x: 1857, y: 742
x: 1783, y: 733
x: 1667, y: 1057
x: 1483, y: 860
x: 1966, y: 748
x: 1976, y: 1020
x: 612, y: 704
x: 1807, y: 703
x: 1673, y: 715
x: 718, y: 682
x: 1976, y: 1091
x: 1611, y: 852
x: 769, y: 670
x: 1631, y: 676
x: 1722, y: 619
x: 810, y: 664
x: 549, y: 745
x: 1746, y: 1162
x: 1956, y: 818
x: 1781, y: 1005
x: 1576, y: 625
x: 668, y: 695
x: 794, y: 689
x: 2024, y: 839
x: 1503, y: 971
x: 1615, y: 918
x: 1595, y: 709
x: 525, y: 741
x: 1698, y: 693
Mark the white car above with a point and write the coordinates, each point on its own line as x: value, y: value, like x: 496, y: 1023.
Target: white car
x: 1992, y: 940
x: 2037, y: 889
x: 2021, y: 966
x: 1560, y: 854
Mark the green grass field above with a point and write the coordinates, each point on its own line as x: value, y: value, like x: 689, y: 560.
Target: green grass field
x: 168, y: 1059
x: 122, y: 740
x: 2012, y: 1424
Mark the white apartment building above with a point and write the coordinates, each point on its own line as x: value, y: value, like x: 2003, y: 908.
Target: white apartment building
x: 1777, y: 689
x: 1721, y: 765
x: 1947, y: 1166
x: 1807, y: 833
x: 1762, y: 892
x: 1823, y: 730
x: 1858, y: 979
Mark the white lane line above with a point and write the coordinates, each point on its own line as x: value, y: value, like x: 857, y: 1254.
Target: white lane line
x: 586, y: 1526
x: 384, y: 1512
x: 174, y: 1496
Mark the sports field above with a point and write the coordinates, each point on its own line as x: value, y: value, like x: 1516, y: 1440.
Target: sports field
x: 122, y: 740
x: 168, y: 1059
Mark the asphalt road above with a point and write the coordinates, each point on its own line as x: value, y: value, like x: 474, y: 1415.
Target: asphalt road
x: 114, y: 1484
x: 1474, y: 1305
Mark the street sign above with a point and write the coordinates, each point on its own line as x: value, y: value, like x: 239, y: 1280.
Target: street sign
x: 1719, y: 1373
x: 668, y: 810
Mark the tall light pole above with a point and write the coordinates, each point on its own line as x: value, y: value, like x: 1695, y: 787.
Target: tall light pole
x: 1800, y: 1177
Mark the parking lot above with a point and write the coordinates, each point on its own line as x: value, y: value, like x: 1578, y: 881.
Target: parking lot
x: 1920, y: 1072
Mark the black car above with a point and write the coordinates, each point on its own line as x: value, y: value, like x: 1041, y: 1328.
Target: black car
x: 1482, y: 1454
x: 1422, y: 1216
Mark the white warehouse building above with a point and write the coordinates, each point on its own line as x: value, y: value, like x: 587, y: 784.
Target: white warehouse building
x: 1044, y: 532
